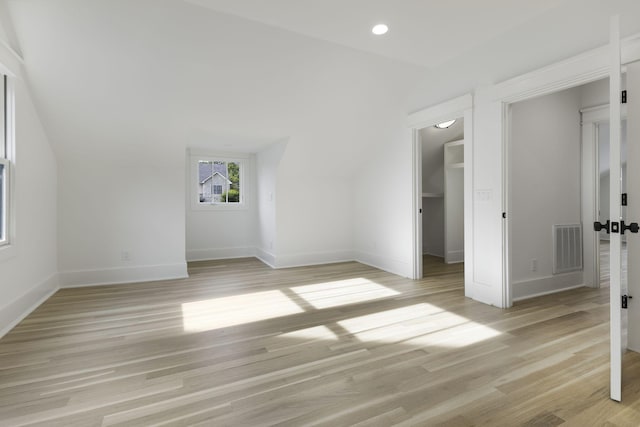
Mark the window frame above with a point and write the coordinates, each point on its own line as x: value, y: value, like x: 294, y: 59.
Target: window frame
x: 244, y: 162
x: 5, y: 205
x: 8, y: 160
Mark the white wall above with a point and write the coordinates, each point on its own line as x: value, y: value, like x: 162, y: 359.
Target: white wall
x: 433, y: 226
x: 432, y: 207
x: 383, y: 228
x: 129, y: 114
x: 28, y: 268
x: 544, y: 187
x: 116, y: 202
x: 267, y: 161
x: 595, y: 93
x: 454, y: 204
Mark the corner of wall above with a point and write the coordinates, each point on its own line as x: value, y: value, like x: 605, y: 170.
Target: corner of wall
x: 394, y: 266
x: 312, y: 258
x: 15, y: 311
x: 266, y: 257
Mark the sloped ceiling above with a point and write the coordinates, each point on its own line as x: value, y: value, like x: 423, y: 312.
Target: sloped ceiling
x: 124, y: 77
x: 131, y: 75
x: 427, y: 33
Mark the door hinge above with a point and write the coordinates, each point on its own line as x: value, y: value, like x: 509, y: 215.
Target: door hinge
x: 504, y: 215
x: 624, y: 199
x: 625, y: 300
x: 624, y: 96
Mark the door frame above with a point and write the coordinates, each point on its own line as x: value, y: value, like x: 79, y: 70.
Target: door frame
x: 582, y: 69
x: 576, y: 71
x: 458, y: 107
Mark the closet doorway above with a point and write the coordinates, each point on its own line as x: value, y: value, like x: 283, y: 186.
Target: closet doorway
x: 442, y: 168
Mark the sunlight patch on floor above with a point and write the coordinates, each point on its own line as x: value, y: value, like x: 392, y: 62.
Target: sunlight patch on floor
x: 420, y: 325
x: 316, y: 332
x: 216, y: 313
x: 342, y: 292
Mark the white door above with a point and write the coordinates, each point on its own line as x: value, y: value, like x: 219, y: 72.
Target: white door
x: 632, y: 213
x: 615, y: 257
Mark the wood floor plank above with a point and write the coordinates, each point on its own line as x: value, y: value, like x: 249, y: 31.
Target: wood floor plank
x: 238, y: 343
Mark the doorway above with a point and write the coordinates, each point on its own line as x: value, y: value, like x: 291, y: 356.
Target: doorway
x: 462, y: 108
x: 442, y: 155
x: 597, y: 196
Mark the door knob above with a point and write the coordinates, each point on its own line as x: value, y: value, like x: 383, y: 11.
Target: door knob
x: 633, y: 227
x: 597, y: 226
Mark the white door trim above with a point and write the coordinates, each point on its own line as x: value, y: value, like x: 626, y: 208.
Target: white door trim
x: 416, y: 205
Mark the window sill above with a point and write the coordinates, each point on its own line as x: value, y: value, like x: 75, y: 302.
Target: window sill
x: 218, y: 208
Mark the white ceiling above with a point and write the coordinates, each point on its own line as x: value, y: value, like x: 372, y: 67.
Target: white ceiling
x: 137, y: 76
x: 423, y: 32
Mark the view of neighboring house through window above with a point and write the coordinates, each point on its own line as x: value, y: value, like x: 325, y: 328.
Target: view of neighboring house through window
x: 4, y: 164
x: 219, y: 182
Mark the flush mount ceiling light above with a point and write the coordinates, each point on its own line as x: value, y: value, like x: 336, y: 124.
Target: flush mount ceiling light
x: 445, y: 125
x: 380, y: 29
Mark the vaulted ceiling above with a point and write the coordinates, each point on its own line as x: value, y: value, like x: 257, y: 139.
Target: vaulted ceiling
x: 127, y: 76
x: 423, y: 32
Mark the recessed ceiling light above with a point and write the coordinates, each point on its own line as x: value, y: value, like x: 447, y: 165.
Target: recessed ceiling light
x: 380, y: 29
x: 445, y: 125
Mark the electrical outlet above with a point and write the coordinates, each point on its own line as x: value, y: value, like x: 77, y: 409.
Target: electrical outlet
x: 125, y: 256
x: 534, y: 265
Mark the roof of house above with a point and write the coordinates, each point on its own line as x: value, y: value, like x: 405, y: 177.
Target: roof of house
x: 207, y: 169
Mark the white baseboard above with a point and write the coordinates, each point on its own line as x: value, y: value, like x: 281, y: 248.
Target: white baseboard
x: 110, y: 276
x: 220, y: 253
x: 454, y: 257
x: 424, y: 252
x: 272, y: 260
x: 398, y: 267
x: 547, y: 285
x: 394, y: 266
x: 312, y: 258
x: 12, y: 313
x: 266, y: 257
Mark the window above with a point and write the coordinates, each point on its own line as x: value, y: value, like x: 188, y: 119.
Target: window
x: 219, y: 182
x: 5, y: 115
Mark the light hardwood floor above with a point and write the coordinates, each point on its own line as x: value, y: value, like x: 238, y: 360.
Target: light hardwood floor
x: 239, y: 344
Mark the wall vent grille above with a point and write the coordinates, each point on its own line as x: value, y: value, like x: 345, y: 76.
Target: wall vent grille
x: 567, y: 248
